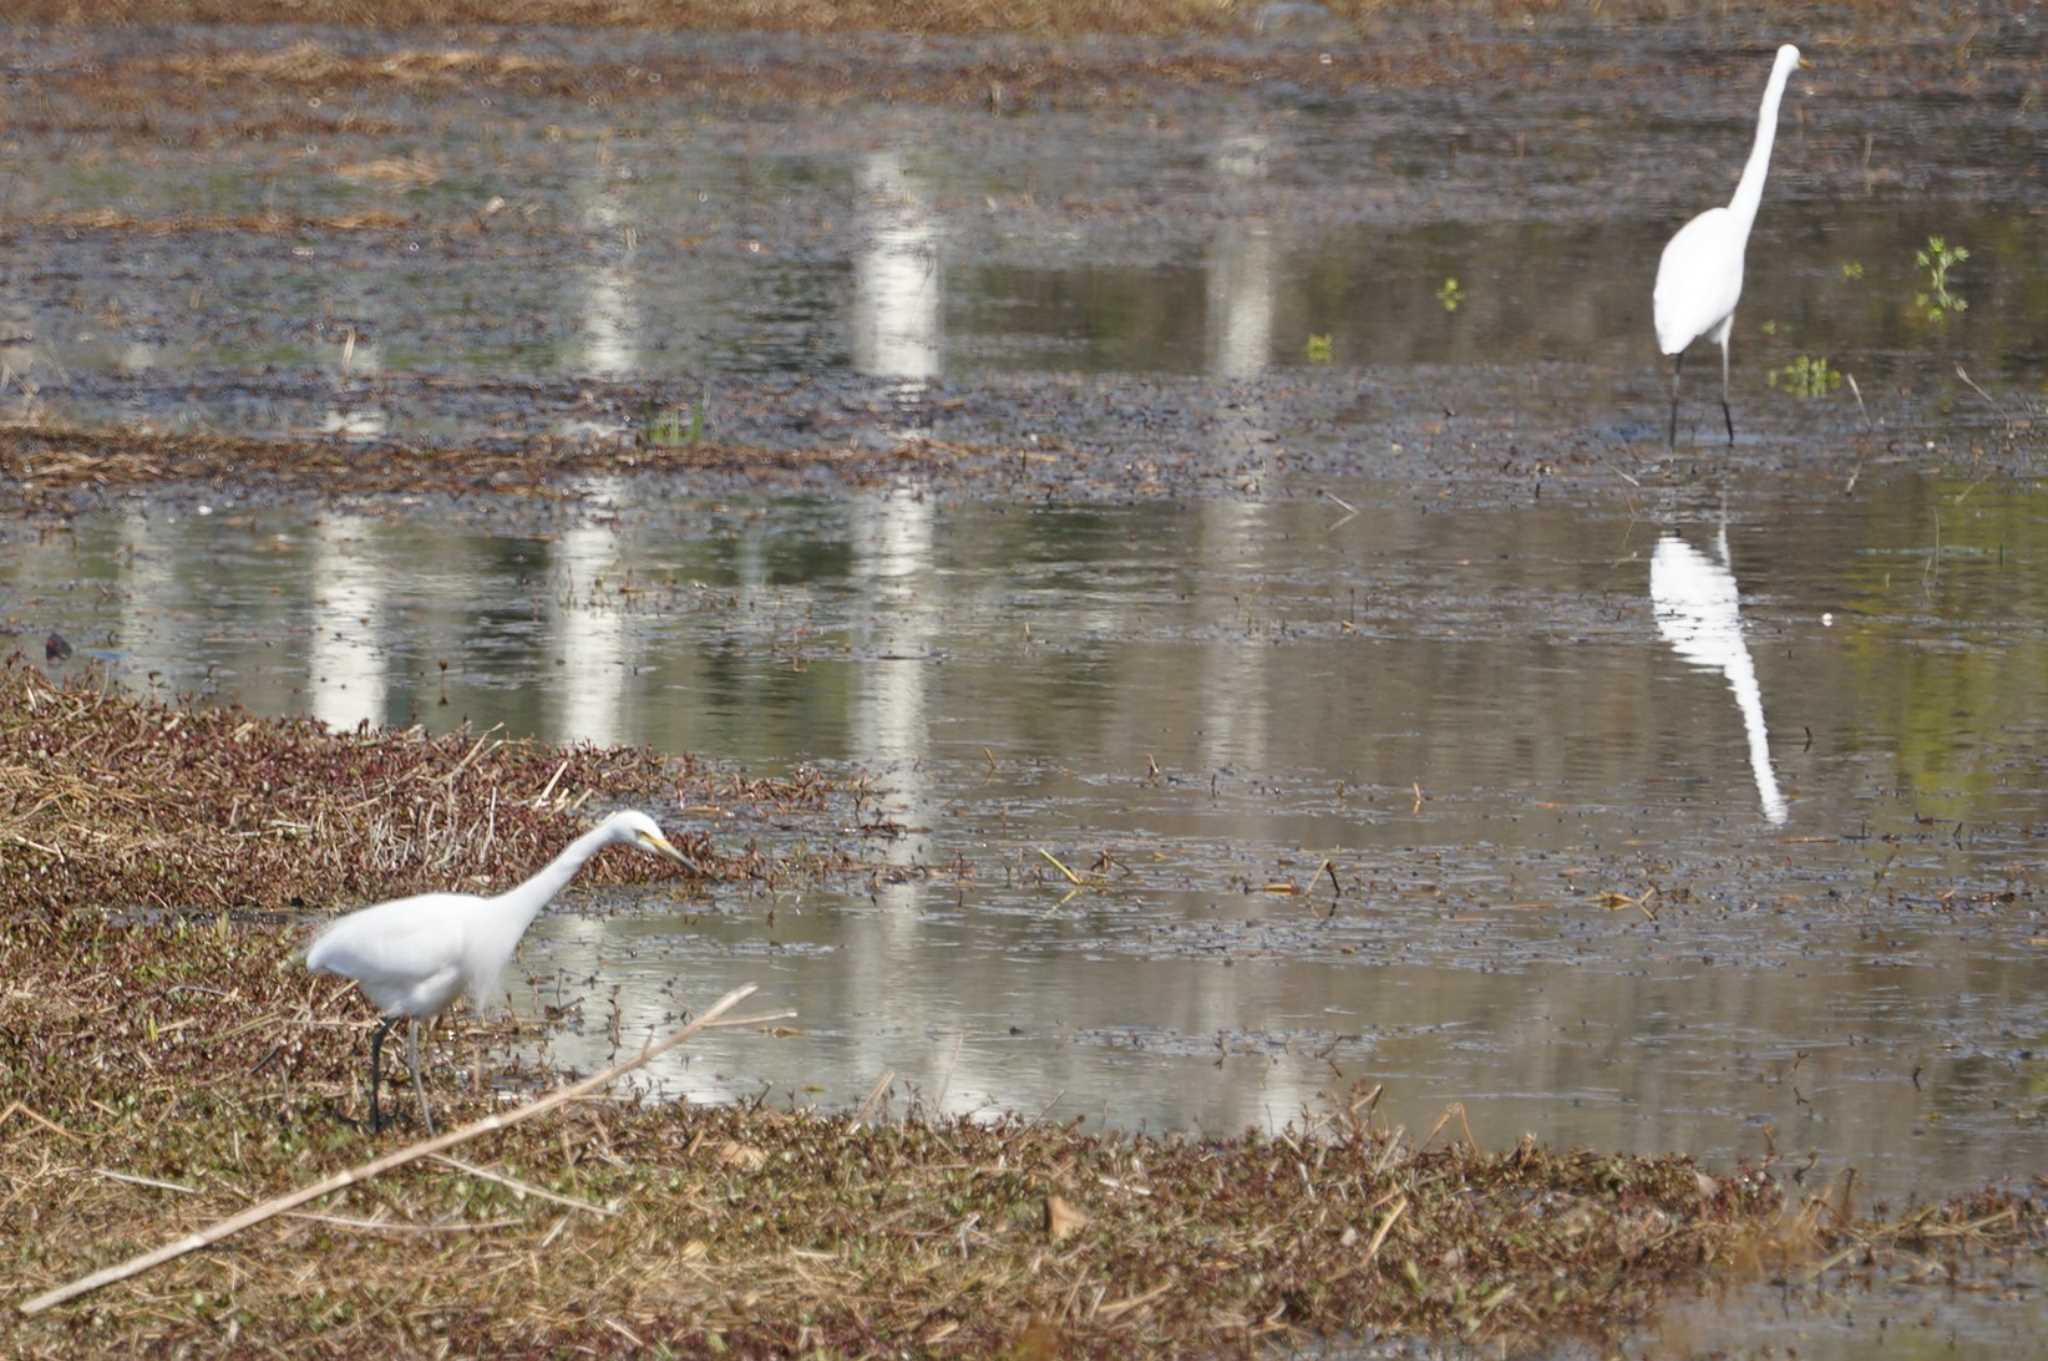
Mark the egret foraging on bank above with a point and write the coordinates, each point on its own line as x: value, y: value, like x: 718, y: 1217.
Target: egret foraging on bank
x: 413, y: 956
x: 1699, y: 278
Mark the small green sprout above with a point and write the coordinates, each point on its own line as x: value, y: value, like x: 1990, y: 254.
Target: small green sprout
x: 1450, y: 295
x: 1938, y: 302
x: 672, y: 427
x: 1318, y: 349
x: 1805, y: 377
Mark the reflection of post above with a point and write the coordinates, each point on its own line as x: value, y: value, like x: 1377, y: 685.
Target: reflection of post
x: 1231, y: 535
x: 611, y: 322
x: 899, y: 287
x: 1696, y: 602
x: 17, y: 346
x: 899, y: 300
x: 150, y: 605
x: 1241, y: 258
x: 345, y: 682
x: 589, y: 630
x: 892, y: 558
x: 356, y: 362
x: 606, y: 300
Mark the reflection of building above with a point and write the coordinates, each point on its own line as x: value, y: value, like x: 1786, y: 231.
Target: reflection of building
x: 899, y: 288
x: 346, y: 680
x: 1697, y: 608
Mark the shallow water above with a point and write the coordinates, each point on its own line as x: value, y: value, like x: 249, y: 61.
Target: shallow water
x: 1814, y: 729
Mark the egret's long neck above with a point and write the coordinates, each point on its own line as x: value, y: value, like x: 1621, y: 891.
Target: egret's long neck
x: 1750, y: 192
x: 519, y: 906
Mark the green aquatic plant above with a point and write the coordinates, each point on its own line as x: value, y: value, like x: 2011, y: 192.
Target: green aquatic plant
x: 1852, y: 269
x: 1938, y: 301
x: 672, y: 427
x: 1450, y: 295
x: 1318, y: 350
x: 1806, y: 377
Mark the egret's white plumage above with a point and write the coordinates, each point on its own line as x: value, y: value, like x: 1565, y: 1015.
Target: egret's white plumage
x: 413, y: 956
x: 1699, y: 278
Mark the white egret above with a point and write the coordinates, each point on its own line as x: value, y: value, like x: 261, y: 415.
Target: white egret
x: 1699, y: 278
x: 412, y: 956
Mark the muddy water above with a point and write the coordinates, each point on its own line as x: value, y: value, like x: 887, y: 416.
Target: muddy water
x: 1813, y: 729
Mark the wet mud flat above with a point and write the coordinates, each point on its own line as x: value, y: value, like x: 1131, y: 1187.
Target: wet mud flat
x: 1094, y: 268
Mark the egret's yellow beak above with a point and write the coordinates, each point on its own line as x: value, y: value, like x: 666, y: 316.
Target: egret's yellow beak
x: 655, y: 842
x: 1805, y: 65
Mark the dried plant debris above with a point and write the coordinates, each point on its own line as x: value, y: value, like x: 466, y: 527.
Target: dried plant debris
x: 45, y: 470
x: 620, y: 1230
x: 1068, y: 17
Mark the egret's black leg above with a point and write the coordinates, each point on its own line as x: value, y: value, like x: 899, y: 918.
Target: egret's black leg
x: 1726, y: 414
x: 412, y: 1058
x: 1677, y: 363
x: 376, y: 1056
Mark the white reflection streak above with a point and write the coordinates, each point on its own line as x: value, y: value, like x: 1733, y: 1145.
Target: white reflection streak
x: 611, y: 321
x: 898, y: 304
x: 1241, y: 294
x: 899, y: 289
x: 17, y: 348
x: 1231, y: 536
x: 1696, y: 603
x: 149, y: 594
x: 892, y: 555
x: 346, y: 682
x: 356, y: 414
x: 589, y: 629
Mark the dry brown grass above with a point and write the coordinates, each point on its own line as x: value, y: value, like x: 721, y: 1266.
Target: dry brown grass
x: 763, y: 1233
x: 1042, y: 17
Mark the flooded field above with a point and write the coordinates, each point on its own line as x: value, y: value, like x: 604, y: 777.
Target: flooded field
x: 1309, y: 733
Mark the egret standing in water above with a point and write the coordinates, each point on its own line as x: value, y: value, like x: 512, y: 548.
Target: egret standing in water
x: 412, y: 956
x: 1699, y: 279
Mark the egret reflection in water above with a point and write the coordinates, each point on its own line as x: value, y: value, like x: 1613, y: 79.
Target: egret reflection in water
x: 1698, y: 612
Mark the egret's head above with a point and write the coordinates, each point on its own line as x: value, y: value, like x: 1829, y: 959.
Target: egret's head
x: 1788, y: 57
x: 637, y: 829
